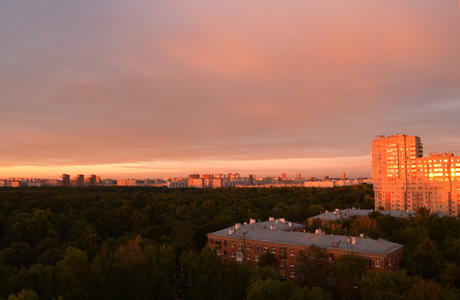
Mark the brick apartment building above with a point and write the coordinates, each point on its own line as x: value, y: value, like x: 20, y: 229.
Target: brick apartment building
x: 246, y: 243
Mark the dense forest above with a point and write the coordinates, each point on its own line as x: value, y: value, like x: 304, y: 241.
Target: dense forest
x: 149, y: 243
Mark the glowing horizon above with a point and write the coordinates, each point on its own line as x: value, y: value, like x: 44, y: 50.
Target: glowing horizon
x: 306, y: 167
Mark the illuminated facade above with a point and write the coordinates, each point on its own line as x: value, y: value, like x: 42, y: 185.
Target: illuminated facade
x: 404, y: 180
x: 79, y: 180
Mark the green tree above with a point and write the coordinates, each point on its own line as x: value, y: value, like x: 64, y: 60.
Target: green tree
x: 348, y: 271
x: 205, y: 272
x: 274, y: 290
x: 24, y: 295
x: 72, y: 274
x: 267, y: 259
x: 311, y: 269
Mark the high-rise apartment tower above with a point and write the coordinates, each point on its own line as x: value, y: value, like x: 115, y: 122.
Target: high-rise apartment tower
x: 404, y: 180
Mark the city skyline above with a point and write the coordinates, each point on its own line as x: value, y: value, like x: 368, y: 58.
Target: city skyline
x: 166, y: 89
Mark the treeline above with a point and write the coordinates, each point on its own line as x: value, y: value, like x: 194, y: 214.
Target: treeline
x: 147, y: 243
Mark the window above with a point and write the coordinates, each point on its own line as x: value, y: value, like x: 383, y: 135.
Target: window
x: 273, y: 249
x: 292, y: 252
x: 212, y: 241
x: 225, y: 243
x: 240, y: 246
x: 225, y: 252
x: 292, y: 263
x: 292, y: 274
x: 248, y: 256
x: 265, y: 248
x: 256, y: 257
x: 256, y: 248
x: 233, y: 253
x: 233, y: 245
x: 248, y: 246
x: 377, y: 263
x: 331, y: 280
x: 218, y: 252
x: 331, y: 257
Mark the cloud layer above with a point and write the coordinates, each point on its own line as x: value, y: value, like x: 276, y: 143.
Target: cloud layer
x: 124, y: 82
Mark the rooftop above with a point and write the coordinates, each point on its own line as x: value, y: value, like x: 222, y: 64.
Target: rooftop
x: 269, y: 232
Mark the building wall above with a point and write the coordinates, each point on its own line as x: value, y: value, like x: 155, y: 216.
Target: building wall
x: 404, y: 180
x: 246, y: 251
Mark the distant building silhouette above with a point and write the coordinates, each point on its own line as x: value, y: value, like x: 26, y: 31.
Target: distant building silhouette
x: 79, y: 180
x: 64, y: 180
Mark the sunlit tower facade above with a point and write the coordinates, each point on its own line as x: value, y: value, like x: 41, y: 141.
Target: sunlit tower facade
x: 79, y: 180
x: 439, y: 183
x: 404, y: 180
x: 64, y: 180
x: 394, y: 170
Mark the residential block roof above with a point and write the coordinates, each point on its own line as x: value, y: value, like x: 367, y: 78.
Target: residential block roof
x: 273, y: 232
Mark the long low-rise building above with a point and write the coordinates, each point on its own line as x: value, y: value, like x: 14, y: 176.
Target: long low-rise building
x: 246, y: 243
x: 343, y: 215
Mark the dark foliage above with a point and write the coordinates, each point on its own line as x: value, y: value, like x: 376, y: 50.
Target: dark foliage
x: 148, y: 243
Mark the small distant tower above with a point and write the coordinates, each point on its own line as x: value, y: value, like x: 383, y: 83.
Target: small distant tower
x: 298, y: 176
x: 283, y: 176
x: 79, y: 180
x: 343, y: 176
x: 64, y: 180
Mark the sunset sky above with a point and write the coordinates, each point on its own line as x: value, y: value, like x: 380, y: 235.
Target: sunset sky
x: 149, y: 89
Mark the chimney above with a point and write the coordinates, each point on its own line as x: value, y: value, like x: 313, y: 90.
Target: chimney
x: 353, y: 240
x: 271, y: 218
x: 252, y: 221
x: 282, y: 220
x: 361, y: 235
x: 348, y: 241
x: 237, y: 225
x: 380, y: 240
x: 290, y: 224
x: 230, y: 231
